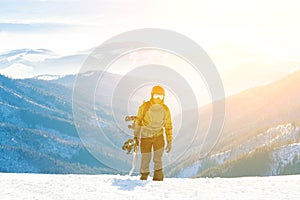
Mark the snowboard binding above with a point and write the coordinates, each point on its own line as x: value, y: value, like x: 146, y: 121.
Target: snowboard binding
x: 129, y: 145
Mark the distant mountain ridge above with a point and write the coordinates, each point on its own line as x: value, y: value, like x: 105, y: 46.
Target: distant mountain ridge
x: 28, y: 63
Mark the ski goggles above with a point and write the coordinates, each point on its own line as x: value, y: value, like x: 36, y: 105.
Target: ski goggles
x: 158, y: 96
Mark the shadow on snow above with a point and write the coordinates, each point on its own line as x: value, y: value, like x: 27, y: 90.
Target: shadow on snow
x: 128, y: 184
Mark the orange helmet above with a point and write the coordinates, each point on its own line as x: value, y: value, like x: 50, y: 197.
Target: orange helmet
x: 158, y: 90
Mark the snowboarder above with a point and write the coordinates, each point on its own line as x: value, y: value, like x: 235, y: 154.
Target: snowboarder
x: 152, y: 121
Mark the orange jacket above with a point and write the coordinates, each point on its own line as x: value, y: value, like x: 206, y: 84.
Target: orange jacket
x: 144, y: 119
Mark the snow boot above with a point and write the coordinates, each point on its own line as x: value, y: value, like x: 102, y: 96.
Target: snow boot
x: 144, y: 176
x: 158, y: 175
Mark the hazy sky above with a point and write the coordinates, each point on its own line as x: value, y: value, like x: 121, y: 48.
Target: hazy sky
x: 251, y: 42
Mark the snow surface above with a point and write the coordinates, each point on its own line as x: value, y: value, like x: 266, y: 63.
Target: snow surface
x: 42, y: 186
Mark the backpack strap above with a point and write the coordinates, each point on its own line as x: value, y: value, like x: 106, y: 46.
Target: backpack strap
x: 147, y: 107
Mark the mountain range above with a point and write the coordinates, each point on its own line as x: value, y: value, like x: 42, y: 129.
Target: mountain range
x: 262, y: 120
x: 38, y: 133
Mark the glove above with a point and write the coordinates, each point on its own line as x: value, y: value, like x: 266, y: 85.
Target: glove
x: 169, y: 146
x: 136, y: 141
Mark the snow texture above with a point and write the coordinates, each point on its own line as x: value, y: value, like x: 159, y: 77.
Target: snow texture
x: 42, y: 186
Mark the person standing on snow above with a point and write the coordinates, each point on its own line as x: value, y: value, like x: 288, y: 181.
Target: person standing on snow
x: 153, y: 120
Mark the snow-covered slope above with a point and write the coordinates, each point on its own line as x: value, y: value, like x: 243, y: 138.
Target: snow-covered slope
x: 37, y: 132
x: 280, y: 141
x: 89, y: 187
x: 285, y: 157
